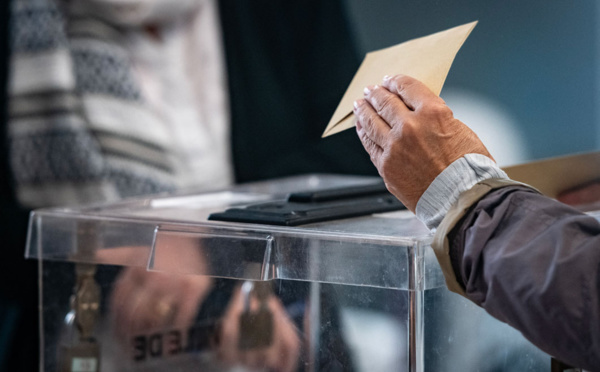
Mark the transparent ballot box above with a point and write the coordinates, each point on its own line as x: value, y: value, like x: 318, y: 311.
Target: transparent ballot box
x: 152, y: 284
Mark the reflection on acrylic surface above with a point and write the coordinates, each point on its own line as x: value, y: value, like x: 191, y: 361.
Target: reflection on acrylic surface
x: 154, y: 321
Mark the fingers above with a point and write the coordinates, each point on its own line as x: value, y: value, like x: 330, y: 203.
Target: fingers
x: 375, y: 128
x: 373, y: 150
x: 388, y: 105
x: 229, y: 331
x: 411, y: 91
x: 287, y: 352
x: 143, y: 300
x: 124, y: 300
x: 281, y: 355
x: 362, y: 111
x: 376, y: 115
x: 191, y: 291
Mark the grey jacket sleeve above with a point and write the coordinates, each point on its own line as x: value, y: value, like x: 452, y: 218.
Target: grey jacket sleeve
x: 533, y: 263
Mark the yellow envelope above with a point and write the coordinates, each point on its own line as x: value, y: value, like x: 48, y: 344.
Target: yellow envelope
x: 555, y: 175
x: 427, y: 59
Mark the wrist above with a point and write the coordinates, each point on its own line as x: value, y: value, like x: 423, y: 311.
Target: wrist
x: 457, y: 178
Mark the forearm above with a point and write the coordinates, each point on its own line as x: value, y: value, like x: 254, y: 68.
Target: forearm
x: 528, y: 260
x: 533, y: 263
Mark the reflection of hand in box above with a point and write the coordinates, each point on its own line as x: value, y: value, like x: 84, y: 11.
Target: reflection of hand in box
x: 142, y: 301
x: 282, y: 351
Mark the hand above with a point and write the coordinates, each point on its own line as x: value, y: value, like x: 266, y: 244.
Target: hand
x: 283, y: 353
x: 587, y: 195
x: 411, y: 135
x: 142, y: 301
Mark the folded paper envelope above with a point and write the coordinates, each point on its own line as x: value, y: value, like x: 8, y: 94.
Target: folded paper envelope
x: 427, y: 59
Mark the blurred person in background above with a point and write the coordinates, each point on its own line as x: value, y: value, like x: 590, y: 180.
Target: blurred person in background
x: 117, y: 98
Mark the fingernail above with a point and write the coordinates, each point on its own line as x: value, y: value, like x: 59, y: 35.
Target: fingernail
x: 386, y: 77
x: 355, y: 105
x: 370, y: 88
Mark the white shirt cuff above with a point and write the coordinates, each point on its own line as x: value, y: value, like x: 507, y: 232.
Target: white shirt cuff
x: 457, y: 178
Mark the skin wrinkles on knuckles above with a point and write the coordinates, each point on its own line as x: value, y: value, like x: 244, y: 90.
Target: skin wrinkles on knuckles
x: 369, y: 146
x: 387, y: 105
x: 383, y: 101
x: 373, y: 151
x: 400, y: 85
x: 370, y: 127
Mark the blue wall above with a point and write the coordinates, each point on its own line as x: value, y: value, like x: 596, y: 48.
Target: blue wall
x: 538, y: 58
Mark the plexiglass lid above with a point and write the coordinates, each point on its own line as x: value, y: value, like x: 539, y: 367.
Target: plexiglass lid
x: 171, y: 233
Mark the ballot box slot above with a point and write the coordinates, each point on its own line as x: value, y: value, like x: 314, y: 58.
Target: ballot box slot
x: 232, y: 255
x: 337, y: 193
x: 313, y: 206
